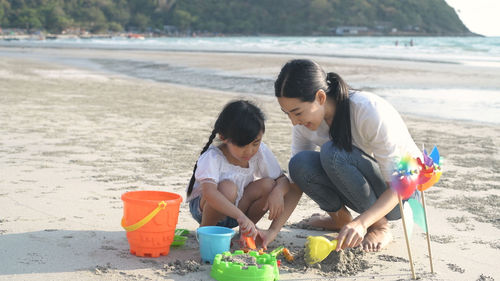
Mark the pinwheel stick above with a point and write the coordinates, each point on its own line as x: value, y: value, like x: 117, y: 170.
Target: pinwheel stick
x: 427, y: 232
x: 406, y: 237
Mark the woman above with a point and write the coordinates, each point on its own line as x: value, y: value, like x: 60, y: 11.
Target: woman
x: 361, y: 137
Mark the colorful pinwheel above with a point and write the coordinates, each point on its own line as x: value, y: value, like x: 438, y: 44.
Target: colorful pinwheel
x: 404, y: 182
x: 430, y: 170
x: 410, y: 174
x: 406, y: 177
x: 430, y: 174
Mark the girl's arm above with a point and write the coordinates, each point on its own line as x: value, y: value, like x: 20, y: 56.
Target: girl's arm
x: 282, y: 200
x: 275, y: 202
x: 291, y: 199
x: 354, y: 232
x: 269, y: 167
x: 282, y: 185
x: 221, y: 204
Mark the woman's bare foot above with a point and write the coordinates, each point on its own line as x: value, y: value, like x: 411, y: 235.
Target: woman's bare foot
x: 333, y: 221
x: 377, y: 237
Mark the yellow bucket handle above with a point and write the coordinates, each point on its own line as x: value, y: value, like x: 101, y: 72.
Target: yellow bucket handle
x: 161, y: 206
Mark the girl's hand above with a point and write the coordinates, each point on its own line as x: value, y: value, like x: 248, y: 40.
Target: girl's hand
x: 351, y: 235
x: 275, y: 203
x: 266, y: 237
x: 247, y: 227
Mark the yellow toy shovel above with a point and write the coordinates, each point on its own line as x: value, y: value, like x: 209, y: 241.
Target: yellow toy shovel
x: 318, y: 248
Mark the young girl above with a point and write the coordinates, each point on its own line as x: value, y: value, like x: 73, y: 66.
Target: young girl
x: 236, y: 182
x: 360, y: 135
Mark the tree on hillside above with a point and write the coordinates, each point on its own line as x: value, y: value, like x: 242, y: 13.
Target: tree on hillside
x: 26, y: 18
x: 283, y: 17
x: 56, y: 19
x: 4, y: 9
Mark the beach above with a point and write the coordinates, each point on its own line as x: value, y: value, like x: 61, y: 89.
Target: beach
x: 75, y: 136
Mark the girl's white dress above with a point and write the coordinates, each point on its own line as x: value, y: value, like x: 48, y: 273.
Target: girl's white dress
x: 214, y: 167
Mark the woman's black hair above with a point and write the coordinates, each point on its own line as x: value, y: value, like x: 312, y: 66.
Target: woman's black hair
x: 301, y: 79
x: 240, y: 122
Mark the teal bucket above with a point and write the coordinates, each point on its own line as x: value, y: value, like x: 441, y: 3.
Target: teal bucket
x: 213, y: 240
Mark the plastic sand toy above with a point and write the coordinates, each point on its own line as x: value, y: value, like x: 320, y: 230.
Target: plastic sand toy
x: 240, y: 266
x: 150, y: 218
x: 250, y: 242
x: 213, y: 240
x: 318, y: 248
x: 179, y: 238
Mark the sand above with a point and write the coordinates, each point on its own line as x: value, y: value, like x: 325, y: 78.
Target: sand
x: 72, y: 141
x: 244, y: 260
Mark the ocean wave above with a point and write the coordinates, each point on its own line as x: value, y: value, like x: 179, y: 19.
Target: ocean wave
x: 484, y: 51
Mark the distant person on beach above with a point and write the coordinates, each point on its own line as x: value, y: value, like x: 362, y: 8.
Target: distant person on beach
x: 360, y: 136
x: 236, y: 182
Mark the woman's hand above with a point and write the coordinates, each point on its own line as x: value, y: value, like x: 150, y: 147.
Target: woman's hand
x: 275, y: 203
x: 247, y: 227
x: 351, y: 235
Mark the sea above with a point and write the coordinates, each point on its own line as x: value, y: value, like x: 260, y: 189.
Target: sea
x: 478, y: 104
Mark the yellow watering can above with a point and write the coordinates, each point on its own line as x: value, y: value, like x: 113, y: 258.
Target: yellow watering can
x: 318, y: 248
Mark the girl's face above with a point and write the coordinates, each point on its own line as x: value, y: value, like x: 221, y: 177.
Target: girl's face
x: 308, y: 114
x: 243, y: 153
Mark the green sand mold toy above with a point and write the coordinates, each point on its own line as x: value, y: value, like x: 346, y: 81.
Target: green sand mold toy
x: 265, y: 270
x: 179, y: 238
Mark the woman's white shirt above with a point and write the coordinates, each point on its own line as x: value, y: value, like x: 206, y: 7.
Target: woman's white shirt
x: 213, y: 167
x: 376, y: 128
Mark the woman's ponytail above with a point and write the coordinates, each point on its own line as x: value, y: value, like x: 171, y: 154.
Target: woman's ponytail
x: 340, y: 131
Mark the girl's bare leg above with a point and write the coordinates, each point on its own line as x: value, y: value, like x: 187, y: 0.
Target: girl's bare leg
x: 210, y: 215
x: 255, y: 198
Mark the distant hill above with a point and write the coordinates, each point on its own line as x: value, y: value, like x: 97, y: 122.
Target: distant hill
x: 245, y: 17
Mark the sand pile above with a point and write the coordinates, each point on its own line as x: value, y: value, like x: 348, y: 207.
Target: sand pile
x: 245, y: 260
x: 183, y: 267
x: 344, y: 263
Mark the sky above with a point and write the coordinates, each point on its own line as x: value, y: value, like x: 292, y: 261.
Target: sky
x: 480, y: 16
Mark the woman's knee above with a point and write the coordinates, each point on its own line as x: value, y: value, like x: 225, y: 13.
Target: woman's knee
x: 302, y: 164
x: 228, y: 189
x: 332, y: 156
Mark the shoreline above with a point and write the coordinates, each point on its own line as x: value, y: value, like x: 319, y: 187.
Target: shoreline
x: 73, y: 140
x: 340, y: 56
x: 146, y: 35
x: 421, y: 66
x: 442, y: 91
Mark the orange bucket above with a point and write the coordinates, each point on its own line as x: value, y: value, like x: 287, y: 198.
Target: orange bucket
x: 150, y: 218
